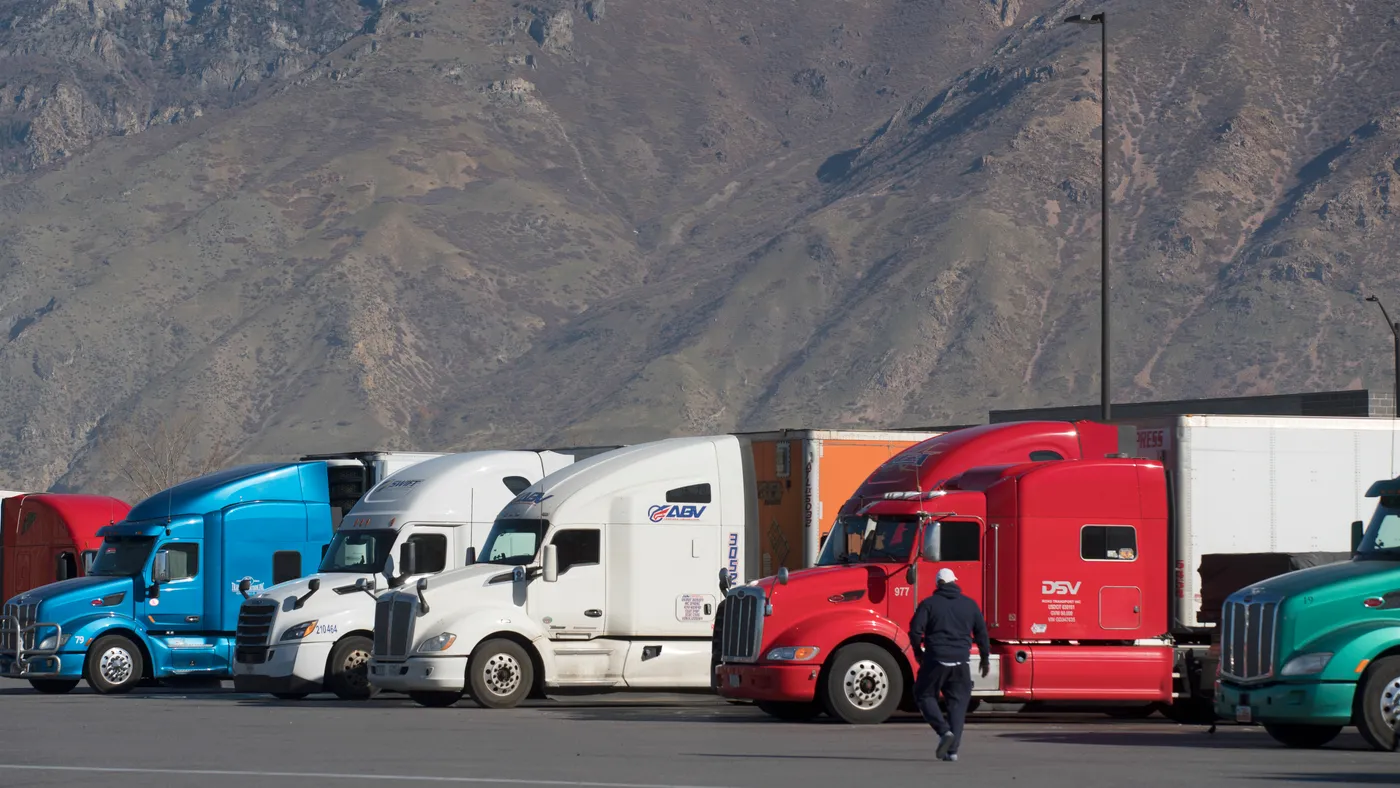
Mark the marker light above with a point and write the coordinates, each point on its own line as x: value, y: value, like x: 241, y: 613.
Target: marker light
x: 793, y: 653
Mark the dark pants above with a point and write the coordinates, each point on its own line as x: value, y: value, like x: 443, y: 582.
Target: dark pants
x: 954, y: 683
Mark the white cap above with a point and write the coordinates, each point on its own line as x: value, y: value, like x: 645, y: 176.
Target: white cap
x: 945, y: 575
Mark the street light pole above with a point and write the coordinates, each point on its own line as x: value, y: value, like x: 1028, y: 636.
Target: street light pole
x: 1394, y: 327
x: 1105, y: 376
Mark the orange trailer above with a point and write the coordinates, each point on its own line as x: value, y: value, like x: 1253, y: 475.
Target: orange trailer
x: 803, y: 478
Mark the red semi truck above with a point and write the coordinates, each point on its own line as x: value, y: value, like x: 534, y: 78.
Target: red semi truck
x: 48, y: 537
x: 1076, y: 552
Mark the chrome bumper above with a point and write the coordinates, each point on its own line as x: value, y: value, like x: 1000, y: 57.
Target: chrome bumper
x: 19, y: 662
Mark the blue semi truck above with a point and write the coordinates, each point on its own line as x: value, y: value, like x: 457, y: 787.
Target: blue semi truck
x: 162, y: 597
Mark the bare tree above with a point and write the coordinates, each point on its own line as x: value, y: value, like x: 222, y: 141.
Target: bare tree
x: 154, y: 454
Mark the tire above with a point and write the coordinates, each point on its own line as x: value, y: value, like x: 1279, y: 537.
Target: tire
x: 500, y: 674
x: 1378, y: 704
x: 347, y: 670
x: 1132, y: 712
x: 54, y: 686
x: 790, y: 712
x: 114, y: 665
x: 435, y: 700
x: 863, y: 685
x: 1303, y: 737
x: 1193, y: 711
x: 290, y: 695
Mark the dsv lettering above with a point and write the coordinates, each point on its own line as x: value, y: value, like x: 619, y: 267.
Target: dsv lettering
x: 1060, y: 587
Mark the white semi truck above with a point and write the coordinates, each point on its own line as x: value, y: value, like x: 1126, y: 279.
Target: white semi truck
x: 600, y: 577
x: 314, y: 633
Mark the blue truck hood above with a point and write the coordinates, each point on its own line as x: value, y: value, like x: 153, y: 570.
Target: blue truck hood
x: 68, y: 599
x: 272, y: 481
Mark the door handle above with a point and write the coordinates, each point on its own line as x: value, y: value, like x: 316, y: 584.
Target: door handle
x: 594, y: 613
x: 191, y: 619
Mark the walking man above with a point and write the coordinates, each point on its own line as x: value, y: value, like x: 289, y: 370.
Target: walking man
x: 941, y: 634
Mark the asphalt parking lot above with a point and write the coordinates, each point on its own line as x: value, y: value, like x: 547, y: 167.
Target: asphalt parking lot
x: 221, y: 740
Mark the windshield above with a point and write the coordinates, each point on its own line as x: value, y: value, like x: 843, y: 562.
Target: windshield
x: 513, y: 541
x: 358, y: 552
x: 123, y: 556
x: 882, y: 539
x: 1382, y: 539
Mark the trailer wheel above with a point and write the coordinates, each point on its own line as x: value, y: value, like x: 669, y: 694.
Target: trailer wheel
x: 114, y: 665
x: 435, y: 700
x: 1303, y: 737
x: 347, y: 671
x: 863, y: 685
x: 54, y: 686
x: 1378, y: 704
x: 790, y: 711
x: 500, y: 674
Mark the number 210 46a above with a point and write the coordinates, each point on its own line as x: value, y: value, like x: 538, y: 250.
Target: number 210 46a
x: 326, y: 629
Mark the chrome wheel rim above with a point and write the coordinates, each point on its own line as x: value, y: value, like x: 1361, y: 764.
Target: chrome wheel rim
x: 867, y: 684
x: 356, y: 670
x: 115, y: 665
x: 501, y: 674
x: 1390, y: 703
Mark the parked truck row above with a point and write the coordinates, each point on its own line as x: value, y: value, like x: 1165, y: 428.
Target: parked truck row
x: 711, y: 564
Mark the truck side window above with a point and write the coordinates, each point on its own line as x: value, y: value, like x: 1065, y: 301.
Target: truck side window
x: 1108, y: 543
x: 286, y: 565
x: 960, y: 541
x: 695, y: 493
x: 577, y: 548
x: 432, y: 552
x: 1045, y: 456
x: 516, y: 484
x: 184, y: 560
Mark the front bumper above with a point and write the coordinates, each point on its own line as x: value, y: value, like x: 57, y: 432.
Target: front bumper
x: 415, y: 674
x: 290, y: 667
x: 46, y: 666
x: 769, y: 682
x: 1301, y: 703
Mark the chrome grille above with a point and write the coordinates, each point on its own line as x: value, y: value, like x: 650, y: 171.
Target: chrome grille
x: 393, y: 626
x: 742, y: 628
x: 1248, y: 633
x: 18, y: 618
x: 254, y: 631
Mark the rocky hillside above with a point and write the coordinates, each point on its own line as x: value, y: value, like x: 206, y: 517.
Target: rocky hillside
x: 334, y: 225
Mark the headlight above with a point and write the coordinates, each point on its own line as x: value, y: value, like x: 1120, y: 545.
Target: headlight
x: 52, y: 642
x: 792, y: 653
x: 440, y: 643
x: 299, y: 631
x: 1307, y: 664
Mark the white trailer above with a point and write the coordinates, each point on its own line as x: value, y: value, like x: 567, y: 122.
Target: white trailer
x: 299, y: 637
x: 1253, y: 484
x: 353, y: 473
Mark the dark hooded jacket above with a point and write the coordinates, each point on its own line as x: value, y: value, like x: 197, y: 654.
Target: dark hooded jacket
x: 946, y: 623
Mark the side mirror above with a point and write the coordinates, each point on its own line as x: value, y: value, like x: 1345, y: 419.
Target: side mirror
x: 911, y: 575
x: 470, y: 558
x: 312, y: 586
x: 61, y: 570
x: 243, y: 586
x: 551, y: 563
x: 725, y: 581
x: 932, y: 548
x: 518, y: 574
x: 408, y: 556
x: 782, y: 575
x: 421, y: 586
x: 160, y: 568
x: 367, y: 586
x: 1358, y: 531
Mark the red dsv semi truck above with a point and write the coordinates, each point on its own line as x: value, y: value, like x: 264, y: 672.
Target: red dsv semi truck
x: 1075, y: 551
x: 48, y: 537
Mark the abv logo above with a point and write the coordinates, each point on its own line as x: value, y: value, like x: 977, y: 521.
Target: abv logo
x: 675, y: 512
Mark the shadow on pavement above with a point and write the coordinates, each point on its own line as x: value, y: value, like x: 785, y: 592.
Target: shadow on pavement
x: 1181, y: 738
x: 1361, y: 778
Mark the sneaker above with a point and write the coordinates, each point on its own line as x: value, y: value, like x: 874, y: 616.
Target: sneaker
x: 952, y: 756
x: 945, y: 743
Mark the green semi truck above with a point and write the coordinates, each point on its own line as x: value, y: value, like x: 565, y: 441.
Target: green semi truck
x: 1310, y: 652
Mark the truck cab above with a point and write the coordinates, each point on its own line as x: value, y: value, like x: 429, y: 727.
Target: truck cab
x: 314, y: 634
x: 600, y: 577
x: 1310, y: 652
x: 48, y: 537
x: 162, y: 596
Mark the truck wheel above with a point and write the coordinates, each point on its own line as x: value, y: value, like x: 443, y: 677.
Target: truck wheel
x: 1378, y: 699
x: 790, y: 712
x: 347, y: 672
x: 114, y: 665
x: 500, y: 674
x: 1303, y: 737
x: 863, y: 685
x: 435, y: 700
x: 53, y: 686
